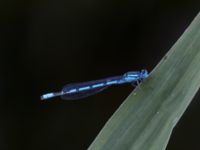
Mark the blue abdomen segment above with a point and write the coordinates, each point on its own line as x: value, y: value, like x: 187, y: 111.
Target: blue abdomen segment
x: 85, y: 89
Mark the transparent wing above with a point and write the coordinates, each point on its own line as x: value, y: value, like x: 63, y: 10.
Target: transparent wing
x: 90, y: 91
x: 83, y: 94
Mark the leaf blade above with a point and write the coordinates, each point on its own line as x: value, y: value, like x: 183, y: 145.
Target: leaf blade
x: 147, y: 117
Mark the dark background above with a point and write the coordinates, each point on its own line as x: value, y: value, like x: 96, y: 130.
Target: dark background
x: 47, y: 44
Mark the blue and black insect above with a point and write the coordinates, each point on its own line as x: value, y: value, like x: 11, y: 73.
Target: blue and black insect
x: 85, y: 89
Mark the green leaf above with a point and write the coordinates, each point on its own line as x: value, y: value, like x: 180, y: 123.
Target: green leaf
x: 147, y: 117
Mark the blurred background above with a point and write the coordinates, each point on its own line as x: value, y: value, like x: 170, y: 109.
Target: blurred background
x: 47, y: 44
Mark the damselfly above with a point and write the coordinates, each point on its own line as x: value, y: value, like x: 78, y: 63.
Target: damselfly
x: 85, y: 89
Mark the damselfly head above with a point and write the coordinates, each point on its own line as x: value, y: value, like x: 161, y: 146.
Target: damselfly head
x: 144, y: 74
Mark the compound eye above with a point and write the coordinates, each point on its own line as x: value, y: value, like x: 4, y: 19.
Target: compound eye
x: 144, y: 73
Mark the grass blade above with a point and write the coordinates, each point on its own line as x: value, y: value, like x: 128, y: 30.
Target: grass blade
x: 147, y: 117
